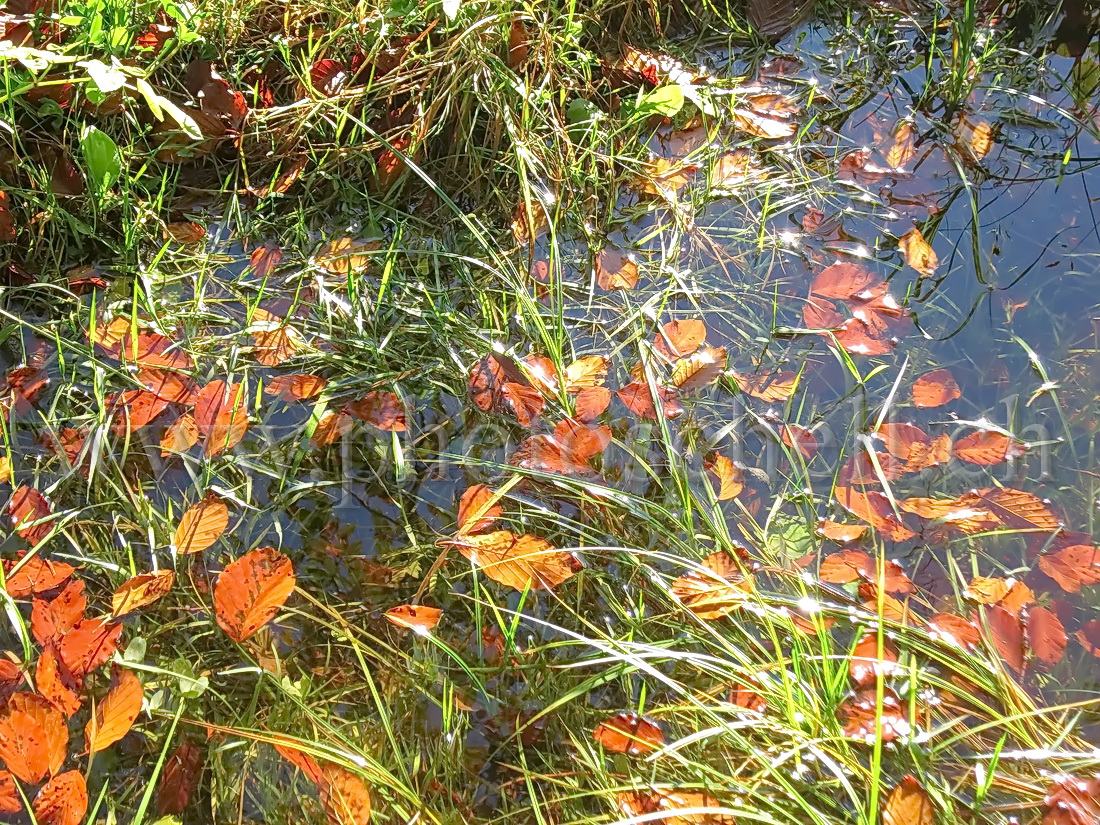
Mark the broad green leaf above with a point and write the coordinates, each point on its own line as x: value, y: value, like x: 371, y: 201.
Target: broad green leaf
x: 101, y: 158
x: 667, y: 101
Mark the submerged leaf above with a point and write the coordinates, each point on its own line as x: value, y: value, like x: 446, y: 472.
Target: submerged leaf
x: 517, y: 561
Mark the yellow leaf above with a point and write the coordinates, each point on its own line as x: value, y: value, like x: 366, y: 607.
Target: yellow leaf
x: 699, y: 369
x: 517, y: 561
x: 201, y: 525
x: 901, y: 150
x: 716, y: 592
x: 918, y: 252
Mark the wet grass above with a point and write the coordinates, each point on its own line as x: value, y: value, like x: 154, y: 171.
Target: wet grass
x: 490, y: 716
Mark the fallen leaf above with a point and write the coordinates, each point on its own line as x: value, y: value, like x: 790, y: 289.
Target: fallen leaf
x: 1045, y: 636
x: 56, y: 684
x: 1072, y: 567
x: 91, y: 643
x: 33, y: 737
x: 988, y: 447
x: 515, y: 561
x: 955, y: 630
x: 171, y: 386
x: 342, y: 256
x: 1017, y: 509
x: 763, y: 125
x: 629, y: 733
x: 383, y: 410
x: 498, y: 385
x: 918, y: 252
x: 1088, y: 636
x: 179, y: 779
x: 863, y: 720
x: 614, y: 270
x: 418, y: 617
x: 908, y: 804
x: 586, y: 373
x: 296, y: 387
x: 30, y: 515
x: 116, y: 713
x: 475, y: 515
x: 771, y: 387
x: 201, y: 525
x: 529, y: 221
x: 869, y: 663
x: 702, y: 367
x: 185, y: 232
x: 141, y: 591
x: 638, y: 398
x: 221, y: 412
x: 35, y: 575
x: 715, y: 592
x: 180, y: 436
x: 665, y: 177
x: 841, y: 533
x: 344, y: 796
x: 62, y: 801
x: 731, y: 480
x: 901, y: 150
x: 130, y: 411
x: 591, y: 403
x: 874, y: 508
x: 52, y: 619
x: 250, y: 591
x: 274, y: 340
x: 331, y: 427
x: 1005, y: 632
x: 679, y: 338
x: 976, y: 135
x: 264, y: 259
x: 935, y: 388
x: 667, y: 802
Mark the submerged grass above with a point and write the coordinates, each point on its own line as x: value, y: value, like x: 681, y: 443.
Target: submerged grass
x: 490, y: 718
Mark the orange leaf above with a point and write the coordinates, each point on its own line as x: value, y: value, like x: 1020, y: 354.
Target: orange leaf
x: 629, y: 733
x: 615, y: 270
x: 777, y: 386
x: 679, y: 338
x: 51, y: 620
x: 908, y: 804
x: 56, y: 684
x: 472, y: 508
x: 33, y: 737
x: 864, y: 720
x: 10, y: 802
x: 639, y: 400
x: 987, y: 447
x: 731, y: 480
x: 702, y: 367
x: 295, y: 387
x: 955, y: 630
x: 517, y: 561
x: 141, y: 591
x: 88, y: 645
x: 1088, y: 636
x: 115, y: 714
x: 250, y: 591
x: 717, y: 592
x: 344, y: 796
x: 1018, y: 510
x: 590, y: 403
x: 202, y: 525
x: 1005, y: 632
x: 383, y: 410
x: 221, y: 413
x: 935, y: 388
x: 181, y: 436
x: 35, y: 575
x: 332, y: 426
x: 418, y: 617
x: 1046, y: 636
x: 1073, y: 566
x: 30, y: 513
x: 918, y: 252
x: 63, y: 800
x: 868, y: 663
x: 171, y: 386
x: 841, y: 533
x: 498, y: 385
x: 874, y: 508
x: 134, y: 409
x: 799, y: 437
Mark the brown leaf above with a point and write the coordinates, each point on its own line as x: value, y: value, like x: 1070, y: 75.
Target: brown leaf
x: 342, y: 256
x: 201, y: 525
x: 274, y: 340
x: 418, y: 617
x: 295, y: 387
x: 717, y: 592
x: 667, y: 802
x: 614, y: 270
x: 1018, y: 510
x: 250, y: 591
x: 88, y: 645
x: 115, y: 714
x: 908, y: 804
x: 869, y: 663
x: 517, y: 561
x: 7, y: 222
x: 30, y: 515
x: 179, y: 779
x: 185, y: 232
x: 498, y: 385
x: 63, y: 800
x: 679, y: 338
x: 1005, y: 632
x: 1088, y: 636
x: 665, y: 177
x: 141, y: 591
x: 901, y: 151
x: 955, y: 630
x: 331, y: 427
x: 772, y: 387
x: 383, y: 410
x: 638, y: 398
x: 591, y: 403
x: 221, y: 412
x: 935, y: 388
x: 763, y: 125
x: 474, y: 516
x: 629, y: 733
x: 841, y: 533
x: 264, y: 259
x: 863, y: 720
x: 918, y: 252
x: 33, y: 737
x: 976, y: 135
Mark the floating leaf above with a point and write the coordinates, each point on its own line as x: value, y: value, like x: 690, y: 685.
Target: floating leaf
x: 1005, y: 632
x: 706, y: 809
x: 863, y: 720
x: 180, y: 436
x: 731, y: 481
x: 517, y: 561
x: 63, y: 800
x: 716, y: 591
x: 201, y: 525
x: 171, y: 386
x: 841, y: 533
x: 264, y: 259
x: 629, y: 733
x: 115, y: 714
x: 418, y: 617
x: 33, y: 737
x: 772, y: 387
x: 638, y: 398
x: 1072, y: 800
x: 179, y: 779
x: 976, y: 135
x: 343, y: 256
x: 132, y: 410
x: 1046, y: 636
x: 475, y: 515
x: 331, y: 427
x: 274, y: 340
x: 918, y: 252
x: 185, y: 232
x: 250, y: 591
x: 702, y: 367
x: 1017, y: 509
x: 874, y: 508
x: 763, y: 125
x: 1073, y: 567
x: 614, y: 270
x: 908, y: 804
x: 935, y: 388
x: 955, y: 630
x: 141, y: 591
x: 296, y: 387
x: 679, y: 338
x: 586, y: 373
x: 383, y: 410
x: 497, y: 385
x: 1088, y: 636
x: 591, y: 403
x: 567, y: 451
x: 733, y: 169
x: 221, y: 413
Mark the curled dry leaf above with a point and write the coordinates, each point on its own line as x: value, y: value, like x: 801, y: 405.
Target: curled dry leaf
x: 250, y: 591
x: 383, y: 410
x: 221, y: 412
x: 201, y: 525
x: 515, y: 561
x: 908, y: 804
x: 614, y: 270
x: 475, y: 513
x: 63, y: 800
x: 418, y: 617
x: 30, y: 513
x: 115, y: 714
x: 296, y: 387
x: 91, y: 643
x: 716, y: 591
x: 731, y: 481
x: 918, y: 253
x: 935, y: 388
x: 702, y: 367
x: 629, y: 733
x: 141, y: 591
x: 179, y: 779
x: 33, y: 737
x: 1045, y: 636
x: 988, y: 447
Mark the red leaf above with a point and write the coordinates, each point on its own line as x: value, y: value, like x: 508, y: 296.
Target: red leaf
x: 178, y: 781
x: 935, y: 388
x: 383, y: 410
x: 1046, y: 636
x: 27, y: 509
x: 221, y: 412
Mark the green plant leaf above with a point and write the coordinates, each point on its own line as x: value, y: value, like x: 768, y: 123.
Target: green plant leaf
x: 102, y: 158
x: 667, y: 101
